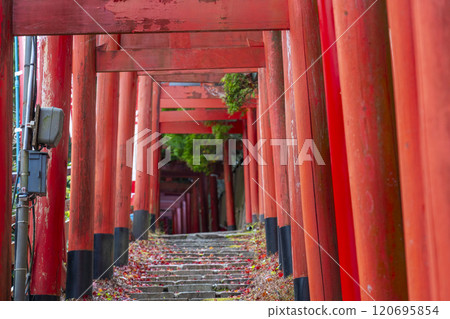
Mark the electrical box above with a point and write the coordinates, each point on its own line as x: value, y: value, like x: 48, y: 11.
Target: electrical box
x: 37, y: 166
x: 50, y: 127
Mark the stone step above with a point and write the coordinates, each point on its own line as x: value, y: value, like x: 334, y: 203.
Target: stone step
x: 196, y: 266
x: 215, y: 254
x: 153, y: 296
x: 199, y: 272
x: 196, y: 294
x: 224, y: 243
x: 200, y: 259
x: 211, y: 235
x: 201, y: 281
x: 203, y: 287
x: 220, y: 276
x: 226, y: 294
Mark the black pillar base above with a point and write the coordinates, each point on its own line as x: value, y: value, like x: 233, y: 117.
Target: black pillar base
x: 271, y: 235
x: 261, y: 218
x: 121, y: 239
x: 231, y: 227
x: 103, y: 256
x: 280, y: 249
x: 301, y: 289
x: 152, y: 223
x: 141, y: 219
x: 79, y: 274
x: 255, y: 219
x: 45, y: 298
x: 286, y: 246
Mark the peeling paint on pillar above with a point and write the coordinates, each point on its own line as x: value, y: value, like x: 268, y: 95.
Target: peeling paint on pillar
x: 81, y: 227
x: 56, y: 64
x: 105, y: 164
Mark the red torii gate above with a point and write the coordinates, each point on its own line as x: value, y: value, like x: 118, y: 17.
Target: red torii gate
x: 65, y: 17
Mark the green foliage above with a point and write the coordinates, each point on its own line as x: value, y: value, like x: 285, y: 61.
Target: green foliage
x: 69, y: 179
x: 239, y: 88
x: 219, y: 129
x: 182, y: 148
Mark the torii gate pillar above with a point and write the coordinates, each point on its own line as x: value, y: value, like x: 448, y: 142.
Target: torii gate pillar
x: 81, y: 228
x: 142, y: 184
x: 368, y: 108
x: 127, y: 119
x: 105, y: 166
x: 276, y: 112
x: 57, y: 61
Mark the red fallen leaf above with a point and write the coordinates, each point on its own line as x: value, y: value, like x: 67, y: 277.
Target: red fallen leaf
x: 280, y: 274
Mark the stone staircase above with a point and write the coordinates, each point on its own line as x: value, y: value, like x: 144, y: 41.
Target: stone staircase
x: 198, y: 267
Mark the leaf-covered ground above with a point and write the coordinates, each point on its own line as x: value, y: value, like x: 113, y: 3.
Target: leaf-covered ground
x: 266, y: 279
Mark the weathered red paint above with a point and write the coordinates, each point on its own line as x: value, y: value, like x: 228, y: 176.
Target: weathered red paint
x: 179, y: 59
x: 189, y: 77
x: 409, y: 148
x: 66, y: 16
x: 6, y: 117
x: 275, y: 88
x: 430, y: 22
x: 190, y: 40
x: 368, y: 106
x: 56, y: 58
x: 81, y: 228
x: 315, y: 179
x: 299, y: 265
x: 228, y: 178
x: 201, y: 71
x: 338, y: 153
x: 253, y: 165
x: 106, y: 145
x: 193, y: 103
x: 194, y: 128
x: 268, y: 187
x: 247, y: 183
x: 155, y: 155
x: 184, y: 217
x: 198, y: 115
x: 192, y: 92
x: 145, y: 94
x: 127, y: 115
x: 214, y: 203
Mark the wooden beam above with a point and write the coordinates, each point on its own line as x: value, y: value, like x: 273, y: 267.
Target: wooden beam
x: 198, y: 115
x: 179, y: 59
x: 193, y: 103
x: 192, y: 92
x: 192, y: 40
x: 199, y: 104
x: 46, y: 17
x: 193, y: 128
x: 190, y: 78
x: 202, y: 71
x: 194, y: 76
